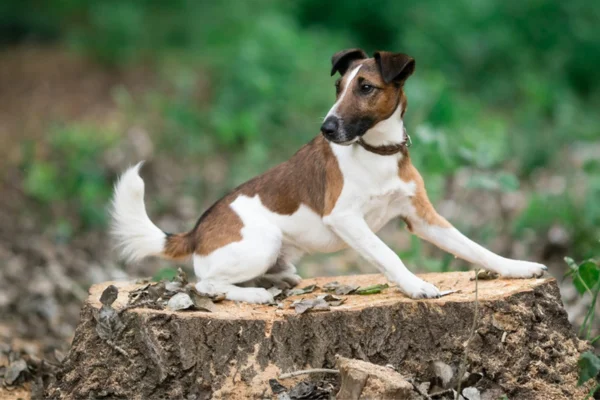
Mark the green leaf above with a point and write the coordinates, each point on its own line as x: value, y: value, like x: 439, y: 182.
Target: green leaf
x: 165, y: 274
x: 588, y: 275
x: 589, y: 366
x: 373, y: 289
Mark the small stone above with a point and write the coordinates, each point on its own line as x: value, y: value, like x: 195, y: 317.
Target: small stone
x: 443, y: 374
x: 14, y: 371
x: 471, y: 393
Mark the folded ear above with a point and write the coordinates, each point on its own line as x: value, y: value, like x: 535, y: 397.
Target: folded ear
x: 342, y: 60
x: 394, y: 67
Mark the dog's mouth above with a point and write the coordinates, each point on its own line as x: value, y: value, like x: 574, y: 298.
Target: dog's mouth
x: 342, y: 142
x: 347, y: 142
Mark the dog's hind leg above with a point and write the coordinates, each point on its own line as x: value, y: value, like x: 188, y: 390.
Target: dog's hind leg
x: 283, y: 273
x: 225, y: 268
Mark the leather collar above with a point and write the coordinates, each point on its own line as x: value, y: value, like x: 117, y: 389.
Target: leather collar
x: 386, y: 150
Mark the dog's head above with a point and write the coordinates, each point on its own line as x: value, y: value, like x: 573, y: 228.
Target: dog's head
x: 369, y: 91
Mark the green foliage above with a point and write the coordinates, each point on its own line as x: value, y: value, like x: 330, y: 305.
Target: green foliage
x: 585, y: 275
x: 167, y: 273
x: 586, y: 278
x: 73, y: 173
x: 589, y: 367
x: 504, y: 89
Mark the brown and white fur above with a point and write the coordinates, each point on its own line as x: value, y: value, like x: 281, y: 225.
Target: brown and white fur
x: 335, y: 192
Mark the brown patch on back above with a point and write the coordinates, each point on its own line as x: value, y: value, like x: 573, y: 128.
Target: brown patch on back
x: 407, y: 172
x: 311, y: 177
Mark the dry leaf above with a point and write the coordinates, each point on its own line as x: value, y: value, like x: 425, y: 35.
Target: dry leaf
x: 181, y: 301
x: 304, y: 290
x: 109, y: 295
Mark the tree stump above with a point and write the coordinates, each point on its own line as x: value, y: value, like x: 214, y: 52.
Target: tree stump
x: 524, y: 345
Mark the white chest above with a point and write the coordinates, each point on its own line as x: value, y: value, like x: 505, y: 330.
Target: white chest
x: 372, y: 186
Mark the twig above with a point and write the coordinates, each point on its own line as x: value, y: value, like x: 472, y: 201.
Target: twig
x: 463, y: 364
x: 309, y: 371
x: 419, y: 390
x: 117, y: 348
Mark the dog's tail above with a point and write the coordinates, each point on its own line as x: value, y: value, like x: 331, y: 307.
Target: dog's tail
x: 135, y: 234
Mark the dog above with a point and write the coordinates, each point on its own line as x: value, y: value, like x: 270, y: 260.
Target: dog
x: 336, y: 192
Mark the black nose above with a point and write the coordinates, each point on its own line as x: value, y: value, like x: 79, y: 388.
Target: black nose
x: 330, y: 126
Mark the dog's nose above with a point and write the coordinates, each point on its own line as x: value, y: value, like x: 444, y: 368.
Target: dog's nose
x: 330, y: 126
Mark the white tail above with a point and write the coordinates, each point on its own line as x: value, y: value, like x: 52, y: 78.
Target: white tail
x: 136, y: 236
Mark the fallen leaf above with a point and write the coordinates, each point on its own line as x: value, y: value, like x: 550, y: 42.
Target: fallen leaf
x: 329, y: 297
x: 332, y: 300
x: 201, y: 303
x: 275, y: 291
x: 373, y: 289
x: 173, y: 286
x: 301, y: 306
x: 320, y: 305
x: 331, y: 286
x: 181, y: 301
x: 276, y: 387
x: 343, y: 290
x: 304, y: 290
x: 109, y: 295
x: 156, y: 291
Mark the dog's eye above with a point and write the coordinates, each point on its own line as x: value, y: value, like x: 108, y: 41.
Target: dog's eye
x: 366, y: 88
x: 337, y: 87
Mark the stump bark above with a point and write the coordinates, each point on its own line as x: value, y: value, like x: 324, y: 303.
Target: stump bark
x: 524, y: 345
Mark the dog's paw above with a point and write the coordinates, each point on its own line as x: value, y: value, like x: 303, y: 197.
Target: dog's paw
x: 282, y: 280
x: 521, y: 269
x: 250, y: 295
x: 417, y: 288
x: 291, y: 279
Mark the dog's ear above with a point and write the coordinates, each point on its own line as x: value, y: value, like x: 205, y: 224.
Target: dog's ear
x: 394, y: 67
x: 342, y: 60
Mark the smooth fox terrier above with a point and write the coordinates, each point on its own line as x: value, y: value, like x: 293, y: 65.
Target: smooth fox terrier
x: 335, y: 192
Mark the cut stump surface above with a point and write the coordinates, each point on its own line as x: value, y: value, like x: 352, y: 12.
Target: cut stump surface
x: 524, y: 346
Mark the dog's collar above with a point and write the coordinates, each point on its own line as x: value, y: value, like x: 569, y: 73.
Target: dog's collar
x: 387, y: 150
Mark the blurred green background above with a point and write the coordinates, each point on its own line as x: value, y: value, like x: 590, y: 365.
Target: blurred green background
x: 503, y: 112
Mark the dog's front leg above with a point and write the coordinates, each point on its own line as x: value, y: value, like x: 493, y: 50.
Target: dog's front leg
x: 435, y: 229
x: 354, y: 231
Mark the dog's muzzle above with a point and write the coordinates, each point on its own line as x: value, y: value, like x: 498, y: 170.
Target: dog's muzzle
x: 330, y: 128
